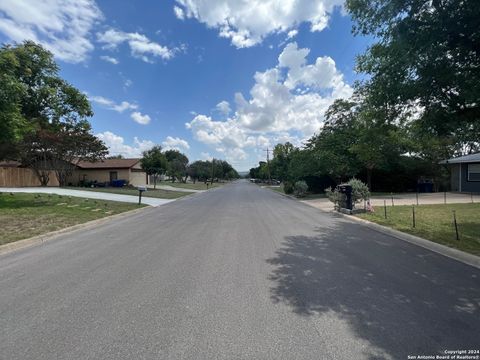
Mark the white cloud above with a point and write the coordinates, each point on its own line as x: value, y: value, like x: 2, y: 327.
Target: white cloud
x: 248, y: 22
x: 179, y: 12
x: 111, y: 105
x: 286, y: 103
x: 110, y: 59
x: 292, y: 33
x: 223, y: 107
x: 140, y: 118
x: 141, y: 46
x: 176, y: 143
x: 61, y: 26
x: 116, y: 145
x: 205, y: 156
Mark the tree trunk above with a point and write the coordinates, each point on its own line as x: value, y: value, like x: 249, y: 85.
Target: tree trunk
x: 154, y: 181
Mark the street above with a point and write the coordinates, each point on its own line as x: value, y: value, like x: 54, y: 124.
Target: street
x: 238, y: 272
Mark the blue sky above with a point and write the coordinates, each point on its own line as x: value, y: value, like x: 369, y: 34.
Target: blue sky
x: 216, y: 78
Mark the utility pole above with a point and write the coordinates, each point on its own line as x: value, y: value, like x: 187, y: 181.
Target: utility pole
x: 268, y: 165
x: 213, y: 170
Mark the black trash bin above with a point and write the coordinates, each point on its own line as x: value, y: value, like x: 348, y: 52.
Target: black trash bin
x: 347, y: 190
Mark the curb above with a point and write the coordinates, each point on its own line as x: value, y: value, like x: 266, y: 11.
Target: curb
x: 458, y: 255
x: 40, y: 239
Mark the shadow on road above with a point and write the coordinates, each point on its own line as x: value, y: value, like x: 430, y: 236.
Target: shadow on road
x: 401, y: 299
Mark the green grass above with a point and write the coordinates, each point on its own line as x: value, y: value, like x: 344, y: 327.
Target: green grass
x: 25, y: 215
x: 191, y: 186
x: 157, y: 193
x: 435, y: 223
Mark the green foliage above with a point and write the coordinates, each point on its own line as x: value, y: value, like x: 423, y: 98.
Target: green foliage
x: 288, y: 187
x: 176, y: 164
x: 360, y: 190
x: 425, y: 63
x: 33, y: 96
x: 300, y: 188
x: 154, y: 162
x: 336, y: 197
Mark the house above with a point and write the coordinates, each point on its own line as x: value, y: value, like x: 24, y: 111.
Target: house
x: 465, y: 172
x: 108, y: 170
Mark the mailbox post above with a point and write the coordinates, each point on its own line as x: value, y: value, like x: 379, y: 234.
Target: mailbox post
x: 347, y: 190
x: 141, y: 189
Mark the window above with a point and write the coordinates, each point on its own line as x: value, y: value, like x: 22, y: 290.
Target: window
x: 473, y: 172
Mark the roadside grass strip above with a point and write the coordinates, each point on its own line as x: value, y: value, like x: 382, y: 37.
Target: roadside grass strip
x: 435, y: 223
x: 24, y: 215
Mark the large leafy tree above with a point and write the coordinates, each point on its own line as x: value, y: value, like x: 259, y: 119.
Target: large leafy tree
x: 43, y: 119
x: 176, y: 165
x: 426, y: 61
x: 154, y: 162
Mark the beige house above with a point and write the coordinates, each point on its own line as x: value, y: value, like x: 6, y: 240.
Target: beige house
x: 108, y: 170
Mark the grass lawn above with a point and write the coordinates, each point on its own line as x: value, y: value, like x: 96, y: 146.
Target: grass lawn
x: 435, y: 223
x: 25, y: 215
x: 157, y: 193
x: 197, y: 186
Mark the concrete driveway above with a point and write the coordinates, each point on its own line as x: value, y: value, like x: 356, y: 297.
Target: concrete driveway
x: 89, y: 194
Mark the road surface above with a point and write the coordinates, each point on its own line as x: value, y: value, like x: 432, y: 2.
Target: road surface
x: 239, y: 272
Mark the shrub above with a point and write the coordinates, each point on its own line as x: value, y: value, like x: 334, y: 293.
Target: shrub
x: 360, y: 190
x: 336, y: 197
x: 288, y: 187
x: 300, y: 188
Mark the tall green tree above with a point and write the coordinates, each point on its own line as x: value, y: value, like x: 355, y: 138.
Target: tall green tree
x: 176, y: 165
x: 154, y: 163
x: 43, y: 119
x: 425, y: 60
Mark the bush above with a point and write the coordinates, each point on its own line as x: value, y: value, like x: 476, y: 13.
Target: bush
x: 336, y: 197
x: 300, y: 188
x: 288, y: 187
x: 360, y: 190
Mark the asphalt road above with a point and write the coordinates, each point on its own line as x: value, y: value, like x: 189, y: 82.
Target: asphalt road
x: 239, y: 272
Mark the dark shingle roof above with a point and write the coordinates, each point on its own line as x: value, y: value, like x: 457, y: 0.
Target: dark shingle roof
x: 108, y: 164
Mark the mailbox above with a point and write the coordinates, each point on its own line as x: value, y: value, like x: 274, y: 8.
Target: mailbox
x: 346, y: 189
x: 141, y: 189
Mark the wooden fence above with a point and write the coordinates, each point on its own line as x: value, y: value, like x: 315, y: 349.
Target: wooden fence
x: 21, y: 177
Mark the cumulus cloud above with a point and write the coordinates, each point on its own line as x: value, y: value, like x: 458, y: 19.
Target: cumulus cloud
x: 141, y: 46
x: 61, y: 26
x: 140, y: 118
x: 247, y: 23
x: 286, y: 103
x: 179, y: 12
x: 116, y: 145
x: 175, y: 143
x: 223, y: 107
x: 112, y: 105
x: 110, y: 59
x: 292, y: 33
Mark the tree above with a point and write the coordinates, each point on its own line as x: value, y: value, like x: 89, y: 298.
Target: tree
x: 282, y: 154
x: 43, y: 119
x: 154, y: 162
x: 426, y: 60
x: 177, y: 165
